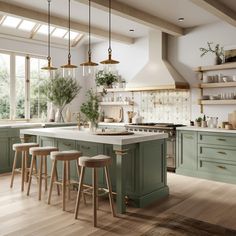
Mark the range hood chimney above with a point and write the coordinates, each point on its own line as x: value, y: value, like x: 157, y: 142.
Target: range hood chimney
x: 158, y: 73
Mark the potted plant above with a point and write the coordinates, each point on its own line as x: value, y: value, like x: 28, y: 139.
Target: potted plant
x: 90, y: 109
x: 217, y: 50
x: 105, y: 79
x: 198, y: 121
x: 60, y: 91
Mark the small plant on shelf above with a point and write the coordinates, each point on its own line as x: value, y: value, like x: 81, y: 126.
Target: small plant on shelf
x: 105, y: 79
x: 91, y: 108
x: 217, y: 50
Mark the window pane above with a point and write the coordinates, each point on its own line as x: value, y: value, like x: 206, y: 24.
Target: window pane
x: 20, y: 87
x: 27, y: 25
x: 11, y: 21
x: 44, y: 29
x: 73, y: 35
x: 4, y: 86
x: 58, y: 32
x: 38, y: 102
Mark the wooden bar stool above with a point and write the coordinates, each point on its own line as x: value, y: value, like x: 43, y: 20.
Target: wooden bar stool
x: 24, y: 149
x: 99, y: 161
x: 65, y: 157
x: 42, y: 153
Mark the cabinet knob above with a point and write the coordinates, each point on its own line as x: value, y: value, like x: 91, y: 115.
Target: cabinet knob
x: 224, y: 153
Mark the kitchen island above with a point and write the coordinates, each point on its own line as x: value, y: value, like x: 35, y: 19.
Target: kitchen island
x: 138, y: 171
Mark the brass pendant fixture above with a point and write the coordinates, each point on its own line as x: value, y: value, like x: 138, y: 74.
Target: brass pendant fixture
x: 88, y: 67
x: 49, y: 65
x: 109, y: 61
x: 70, y: 67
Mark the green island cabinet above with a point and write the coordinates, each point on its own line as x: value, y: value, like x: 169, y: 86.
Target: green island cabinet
x: 145, y: 182
x: 209, y: 155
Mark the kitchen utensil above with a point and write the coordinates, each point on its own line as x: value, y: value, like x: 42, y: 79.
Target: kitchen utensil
x: 131, y: 115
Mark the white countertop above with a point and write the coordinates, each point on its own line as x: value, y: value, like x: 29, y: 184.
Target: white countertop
x: 113, y: 124
x: 195, y: 128
x: 74, y: 134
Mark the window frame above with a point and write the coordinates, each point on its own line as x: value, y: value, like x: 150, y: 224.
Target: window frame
x: 13, y: 84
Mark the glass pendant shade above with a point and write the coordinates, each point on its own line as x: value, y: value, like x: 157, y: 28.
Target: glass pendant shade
x: 68, y: 70
x: 49, y: 66
x: 89, y: 66
x: 109, y: 64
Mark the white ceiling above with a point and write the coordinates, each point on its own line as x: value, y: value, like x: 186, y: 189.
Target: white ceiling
x: 169, y: 10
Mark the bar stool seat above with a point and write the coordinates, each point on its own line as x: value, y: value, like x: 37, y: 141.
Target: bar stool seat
x: 65, y: 157
x: 24, y: 149
x: 99, y: 161
x: 42, y: 153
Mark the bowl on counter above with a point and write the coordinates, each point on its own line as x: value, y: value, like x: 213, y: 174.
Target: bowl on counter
x: 108, y: 120
x: 205, y: 97
x: 214, y: 97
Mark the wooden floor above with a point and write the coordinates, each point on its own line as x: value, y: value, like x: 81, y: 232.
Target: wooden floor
x: 204, y: 200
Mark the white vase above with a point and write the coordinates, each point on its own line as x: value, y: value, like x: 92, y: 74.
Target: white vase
x: 59, y: 116
x: 51, y: 116
x: 68, y: 115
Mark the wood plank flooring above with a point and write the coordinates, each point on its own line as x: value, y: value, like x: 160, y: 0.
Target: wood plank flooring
x: 204, y: 200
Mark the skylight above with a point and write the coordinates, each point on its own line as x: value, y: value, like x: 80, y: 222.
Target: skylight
x: 73, y: 35
x: 58, y: 32
x: 44, y: 29
x: 27, y: 25
x: 11, y: 21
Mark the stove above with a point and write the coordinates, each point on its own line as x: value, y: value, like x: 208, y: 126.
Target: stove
x: 169, y: 128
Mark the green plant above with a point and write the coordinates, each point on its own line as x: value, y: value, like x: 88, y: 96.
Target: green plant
x: 60, y: 90
x: 103, y: 78
x: 217, y: 50
x: 199, y: 119
x: 90, y: 108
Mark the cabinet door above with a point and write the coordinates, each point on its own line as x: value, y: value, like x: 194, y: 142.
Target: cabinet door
x: 4, y: 155
x: 187, y: 150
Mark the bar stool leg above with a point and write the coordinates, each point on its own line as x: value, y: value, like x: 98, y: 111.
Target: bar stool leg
x: 81, y: 179
x: 68, y: 179
x: 94, y: 197
x: 30, y: 174
x: 13, y: 169
x: 79, y: 174
x: 40, y: 177
x: 108, y: 180
x: 22, y: 171
x: 45, y: 173
x: 26, y: 167
x: 52, y: 180
x: 56, y: 174
x: 64, y: 186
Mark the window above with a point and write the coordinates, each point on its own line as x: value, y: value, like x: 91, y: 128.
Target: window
x: 38, y: 102
x: 4, y: 86
x: 58, y: 32
x: 11, y: 21
x: 20, y: 80
x: 43, y: 29
x: 27, y: 25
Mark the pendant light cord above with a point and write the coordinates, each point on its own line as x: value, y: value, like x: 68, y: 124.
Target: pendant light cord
x: 49, y: 30
x: 109, y: 49
x: 89, y: 51
x: 69, y: 54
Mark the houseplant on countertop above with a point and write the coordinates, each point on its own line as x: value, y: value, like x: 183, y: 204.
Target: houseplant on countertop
x: 90, y: 109
x: 60, y: 91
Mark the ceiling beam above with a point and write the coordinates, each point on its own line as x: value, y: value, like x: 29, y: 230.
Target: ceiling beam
x: 218, y: 9
x: 131, y: 13
x: 57, y: 21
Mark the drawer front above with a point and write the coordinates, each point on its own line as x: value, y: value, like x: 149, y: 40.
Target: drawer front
x: 217, y: 139
x: 217, y: 153
x: 217, y: 167
x: 4, y: 133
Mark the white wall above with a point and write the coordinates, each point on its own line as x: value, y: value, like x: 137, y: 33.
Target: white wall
x: 59, y: 57
x: 184, y: 54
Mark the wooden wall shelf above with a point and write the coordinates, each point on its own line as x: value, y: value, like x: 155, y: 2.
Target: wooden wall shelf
x: 116, y: 103
x: 218, y: 102
x: 225, y: 66
x: 218, y: 85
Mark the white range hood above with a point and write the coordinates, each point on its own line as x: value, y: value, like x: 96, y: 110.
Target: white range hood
x: 158, y: 73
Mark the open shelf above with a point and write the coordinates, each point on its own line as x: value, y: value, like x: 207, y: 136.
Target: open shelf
x: 225, y: 66
x: 113, y: 90
x: 116, y: 103
x: 218, y: 102
x: 218, y: 85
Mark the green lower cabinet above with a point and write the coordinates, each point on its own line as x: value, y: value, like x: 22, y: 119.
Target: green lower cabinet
x: 5, y: 165
x: 216, y: 155
x: 12, y: 141
x: 187, y: 150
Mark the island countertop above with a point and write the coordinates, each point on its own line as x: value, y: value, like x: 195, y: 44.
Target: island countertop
x: 74, y: 134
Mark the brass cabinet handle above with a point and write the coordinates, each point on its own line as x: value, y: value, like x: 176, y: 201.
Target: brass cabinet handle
x: 222, y: 167
x: 68, y: 144
x: 224, y: 153
x: 85, y: 147
x: 221, y: 139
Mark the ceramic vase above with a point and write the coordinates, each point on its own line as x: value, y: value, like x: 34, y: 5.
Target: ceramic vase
x: 68, y: 115
x: 59, y: 115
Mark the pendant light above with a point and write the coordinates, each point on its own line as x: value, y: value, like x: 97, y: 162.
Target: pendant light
x: 88, y: 67
x: 109, y: 62
x: 49, y: 67
x: 69, y: 69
